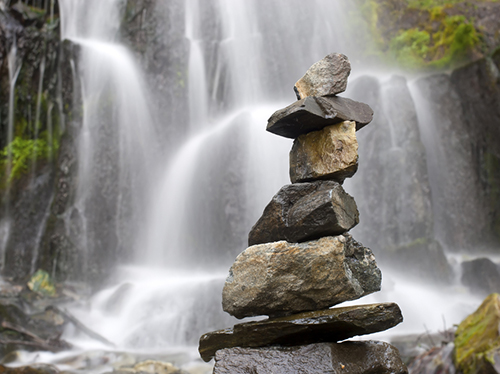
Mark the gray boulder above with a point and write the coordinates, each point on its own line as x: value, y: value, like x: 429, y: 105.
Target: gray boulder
x: 282, y: 278
x: 481, y: 275
x: 315, y: 113
x: 305, y: 211
x: 329, y: 325
x: 369, y: 357
x: 326, y: 77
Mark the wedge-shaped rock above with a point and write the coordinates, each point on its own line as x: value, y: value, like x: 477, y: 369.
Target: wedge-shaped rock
x: 367, y: 357
x: 326, y: 77
x: 306, y: 211
x: 331, y: 153
x: 282, y: 278
x: 329, y: 325
x: 315, y: 113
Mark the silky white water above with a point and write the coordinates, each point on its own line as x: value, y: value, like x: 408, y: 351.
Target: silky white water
x: 186, y: 217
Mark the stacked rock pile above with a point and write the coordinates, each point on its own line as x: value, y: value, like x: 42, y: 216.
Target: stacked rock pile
x: 302, y: 260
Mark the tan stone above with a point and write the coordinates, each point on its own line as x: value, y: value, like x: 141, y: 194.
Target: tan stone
x: 331, y: 153
x: 282, y: 278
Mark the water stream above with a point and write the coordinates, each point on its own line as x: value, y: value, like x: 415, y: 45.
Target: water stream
x: 186, y: 217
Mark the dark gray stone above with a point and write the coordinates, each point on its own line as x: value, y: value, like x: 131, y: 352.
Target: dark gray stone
x: 305, y: 211
x: 369, y: 357
x: 315, y: 113
x: 282, y: 278
x: 329, y: 325
x: 328, y: 76
x: 422, y: 259
x: 481, y: 276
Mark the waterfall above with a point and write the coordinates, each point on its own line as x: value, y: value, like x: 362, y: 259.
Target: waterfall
x: 116, y: 145
x: 184, y: 217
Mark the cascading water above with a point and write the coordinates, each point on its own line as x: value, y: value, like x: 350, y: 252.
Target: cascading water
x: 216, y: 186
x: 190, y: 214
x: 116, y: 142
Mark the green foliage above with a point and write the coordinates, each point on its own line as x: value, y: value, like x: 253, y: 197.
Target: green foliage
x: 455, y: 38
x: 22, y: 152
x: 411, y: 47
x: 429, y: 4
x: 42, y: 284
x: 423, y: 34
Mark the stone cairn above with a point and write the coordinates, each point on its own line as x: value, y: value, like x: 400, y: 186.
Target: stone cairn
x: 301, y: 259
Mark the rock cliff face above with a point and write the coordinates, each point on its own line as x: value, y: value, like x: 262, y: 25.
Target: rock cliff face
x: 447, y: 123
x: 36, y: 93
x: 464, y: 106
x: 155, y: 32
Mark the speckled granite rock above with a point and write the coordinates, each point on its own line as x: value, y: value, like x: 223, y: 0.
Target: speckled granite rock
x: 282, y: 278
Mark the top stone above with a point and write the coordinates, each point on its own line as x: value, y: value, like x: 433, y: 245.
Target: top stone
x: 326, y: 77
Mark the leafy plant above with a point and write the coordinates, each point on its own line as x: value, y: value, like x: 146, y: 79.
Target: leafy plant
x: 18, y: 155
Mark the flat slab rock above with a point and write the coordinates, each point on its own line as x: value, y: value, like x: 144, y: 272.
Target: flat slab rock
x: 330, y: 153
x: 282, y: 278
x: 329, y: 325
x: 305, y: 211
x: 345, y: 358
x: 328, y: 76
x: 315, y: 113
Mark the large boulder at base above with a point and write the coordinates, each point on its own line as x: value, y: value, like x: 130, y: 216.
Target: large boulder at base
x: 326, y: 77
x: 349, y: 357
x: 331, y: 153
x: 315, y: 113
x: 481, y: 275
x: 329, y: 325
x: 305, y: 211
x: 282, y: 278
x: 477, y: 339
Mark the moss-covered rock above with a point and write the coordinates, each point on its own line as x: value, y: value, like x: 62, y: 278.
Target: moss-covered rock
x: 477, y: 339
x: 41, y: 283
x: 432, y: 34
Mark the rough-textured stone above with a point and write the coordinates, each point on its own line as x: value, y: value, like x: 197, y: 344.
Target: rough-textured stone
x: 281, y: 278
x: 305, y: 211
x: 315, y: 113
x: 369, y: 357
x: 331, y: 153
x: 481, y: 275
x: 326, y: 77
x: 329, y: 325
x: 477, y: 339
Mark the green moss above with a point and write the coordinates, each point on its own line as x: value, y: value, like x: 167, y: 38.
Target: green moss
x: 450, y: 45
x: 478, y: 336
x: 411, y: 47
x: 42, y: 284
x: 422, y: 34
x: 22, y: 152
